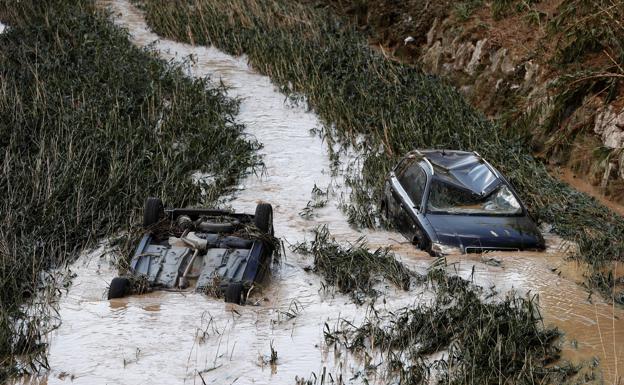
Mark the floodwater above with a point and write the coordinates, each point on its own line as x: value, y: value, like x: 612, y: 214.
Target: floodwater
x: 175, y: 338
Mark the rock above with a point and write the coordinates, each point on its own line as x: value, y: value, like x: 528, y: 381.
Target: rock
x: 463, y: 55
x: 497, y: 58
x: 432, y: 32
x: 475, y: 60
x: 531, y: 70
x: 608, y: 174
x: 466, y: 90
x: 610, y: 126
x: 507, y: 65
x: 431, y: 58
x: 622, y: 164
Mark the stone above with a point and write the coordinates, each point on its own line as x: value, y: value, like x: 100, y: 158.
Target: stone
x: 432, y: 32
x: 466, y: 90
x: 496, y: 59
x: 462, y: 56
x: 610, y: 126
x: 507, y: 65
x: 475, y: 60
x: 531, y: 69
x: 431, y: 58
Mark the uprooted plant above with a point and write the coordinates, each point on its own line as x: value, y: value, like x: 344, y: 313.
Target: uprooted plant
x: 353, y: 268
x: 482, y: 341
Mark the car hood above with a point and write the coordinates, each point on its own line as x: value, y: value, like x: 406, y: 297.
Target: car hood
x: 493, y: 232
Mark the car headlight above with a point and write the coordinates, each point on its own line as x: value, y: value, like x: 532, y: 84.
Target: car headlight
x: 442, y: 249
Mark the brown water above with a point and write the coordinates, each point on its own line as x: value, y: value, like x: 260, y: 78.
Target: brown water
x: 174, y: 338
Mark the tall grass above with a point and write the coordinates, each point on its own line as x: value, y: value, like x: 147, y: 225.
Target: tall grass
x: 357, y: 91
x: 90, y: 126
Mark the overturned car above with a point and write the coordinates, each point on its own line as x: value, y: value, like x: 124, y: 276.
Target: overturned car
x: 455, y: 202
x: 205, y: 250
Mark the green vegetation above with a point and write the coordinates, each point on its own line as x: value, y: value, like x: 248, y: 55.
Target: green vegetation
x: 487, y: 341
x: 464, y: 9
x: 357, y: 91
x: 90, y: 126
x: 354, y: 269
x: 502, y: 8
x: 590, y: 27
x: 590, y: 54
x: 500, y: 342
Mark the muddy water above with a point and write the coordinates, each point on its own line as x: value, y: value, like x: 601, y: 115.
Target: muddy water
x: 171, y: 338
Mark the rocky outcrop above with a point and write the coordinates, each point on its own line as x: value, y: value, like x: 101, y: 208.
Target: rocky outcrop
x: 609, y: 125
x: 496, y: 80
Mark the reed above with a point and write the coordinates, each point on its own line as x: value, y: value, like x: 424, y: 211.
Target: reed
x: 89, y: 127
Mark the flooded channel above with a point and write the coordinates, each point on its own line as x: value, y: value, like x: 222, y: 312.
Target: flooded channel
x: 173, y: 338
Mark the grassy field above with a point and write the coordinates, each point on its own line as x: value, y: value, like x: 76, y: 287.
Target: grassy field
x: 357, y: 92
x: 89, y: 127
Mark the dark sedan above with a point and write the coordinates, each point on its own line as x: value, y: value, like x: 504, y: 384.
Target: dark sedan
x: 448, y: 201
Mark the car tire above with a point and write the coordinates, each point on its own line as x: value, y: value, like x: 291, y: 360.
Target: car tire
x: 263, y: 218
x: 234, y: 293
x: 421, y: 241
x: 152, y: 211
x: 118, y: 287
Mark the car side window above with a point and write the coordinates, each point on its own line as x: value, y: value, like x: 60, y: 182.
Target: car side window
x: 413, y: 180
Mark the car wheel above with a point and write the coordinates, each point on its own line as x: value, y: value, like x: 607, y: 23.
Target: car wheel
x: 118, y: 287
x: 234, y: 293
x: 263, y: 218
x: 421, y: 241
x: 153, y: 211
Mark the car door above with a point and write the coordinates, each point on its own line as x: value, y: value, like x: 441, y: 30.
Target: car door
x: 407, y: 187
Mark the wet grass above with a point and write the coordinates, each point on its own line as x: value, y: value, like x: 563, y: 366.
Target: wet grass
x: 353, y: 268
x: 356, y: 91
x: 484, y: 342
x: 485, y: 339
x: 90, y: 126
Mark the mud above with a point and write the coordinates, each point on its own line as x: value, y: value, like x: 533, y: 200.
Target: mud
x: 579, y: 184
x: 173, y: 338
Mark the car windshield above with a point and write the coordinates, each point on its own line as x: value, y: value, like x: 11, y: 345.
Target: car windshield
x: 446, y: 198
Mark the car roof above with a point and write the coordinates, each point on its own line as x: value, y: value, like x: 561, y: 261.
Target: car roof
x: 463, y: 169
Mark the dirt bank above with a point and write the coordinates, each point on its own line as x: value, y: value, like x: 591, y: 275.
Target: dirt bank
x: 548, y: 70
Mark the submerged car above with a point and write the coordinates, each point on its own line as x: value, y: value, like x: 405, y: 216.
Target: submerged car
x: 206, y: 250
x: 449, y: 202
